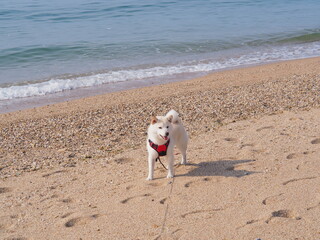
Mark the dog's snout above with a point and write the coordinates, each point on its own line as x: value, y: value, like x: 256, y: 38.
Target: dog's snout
x: 167, y: 134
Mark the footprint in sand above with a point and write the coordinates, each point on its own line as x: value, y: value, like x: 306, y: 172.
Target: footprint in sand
x: 283, y: 214
x: 202, y: 212
x: 315, y: 141
x: 80, y: 220
x: 66, y: 215
x: 230, y: 139
x: 249, y: 222
x: 246, y: 145
x: 292, y: 156
x: 49, y: 198
x: 67, y: 200
x: 122, y: 160
x: 187, y: 184
x: 273, y: 199
x: 263, y: 128
x: 298, y: 179
x: 129, y: 187
x: 162, y: 201
x: 295, y: 155
x: 4, y: 190
x: 206, y: 179
x: 72, y: 222
x: 53, y: 173
x: 157, y: 184
x: 154, y: 184
x: 130, y: 198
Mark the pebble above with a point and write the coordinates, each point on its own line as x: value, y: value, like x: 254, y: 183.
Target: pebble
x: 102, y: 133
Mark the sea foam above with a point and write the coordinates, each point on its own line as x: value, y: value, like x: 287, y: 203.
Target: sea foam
x: 257, y: 57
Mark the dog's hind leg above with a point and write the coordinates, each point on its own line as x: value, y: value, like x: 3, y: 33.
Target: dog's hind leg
x: 183, y: 149
x: 170, y: 160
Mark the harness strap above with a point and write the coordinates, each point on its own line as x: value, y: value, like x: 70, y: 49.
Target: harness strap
x: 160, y: 149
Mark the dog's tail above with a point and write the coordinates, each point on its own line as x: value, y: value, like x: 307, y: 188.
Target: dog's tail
x: 175, y: 116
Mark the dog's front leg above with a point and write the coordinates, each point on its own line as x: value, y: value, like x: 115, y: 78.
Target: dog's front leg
x: 151, y: 162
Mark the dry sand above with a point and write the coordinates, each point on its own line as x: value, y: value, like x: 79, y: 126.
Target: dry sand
x: 77, y: 170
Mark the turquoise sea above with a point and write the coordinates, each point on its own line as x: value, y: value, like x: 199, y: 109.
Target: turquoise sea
x: 57, y: 46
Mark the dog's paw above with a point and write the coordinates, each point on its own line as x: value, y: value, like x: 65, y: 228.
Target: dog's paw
x: 149, y: 178
x: 170, y: 175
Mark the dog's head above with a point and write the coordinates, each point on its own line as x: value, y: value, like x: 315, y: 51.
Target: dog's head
x: 161, y: 127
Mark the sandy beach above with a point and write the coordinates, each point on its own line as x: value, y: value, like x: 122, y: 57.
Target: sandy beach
x: 77, y: 170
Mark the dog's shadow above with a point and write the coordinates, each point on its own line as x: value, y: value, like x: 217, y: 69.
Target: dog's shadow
x: 226, y: 168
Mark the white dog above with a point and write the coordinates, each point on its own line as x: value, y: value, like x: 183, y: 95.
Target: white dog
x: 164, y: 133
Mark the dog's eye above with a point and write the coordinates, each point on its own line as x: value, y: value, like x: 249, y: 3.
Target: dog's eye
x: 160, y: 127
x: 167, y: 126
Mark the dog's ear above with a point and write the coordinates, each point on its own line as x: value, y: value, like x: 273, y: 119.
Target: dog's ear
x: 170, y: 118
x: 154, y: 120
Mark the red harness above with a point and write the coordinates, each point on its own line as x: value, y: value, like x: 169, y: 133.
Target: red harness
x: 161, y: 149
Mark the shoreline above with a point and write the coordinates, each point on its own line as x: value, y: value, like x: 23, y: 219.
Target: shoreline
x: 21, y: 104
x: 212, y: 80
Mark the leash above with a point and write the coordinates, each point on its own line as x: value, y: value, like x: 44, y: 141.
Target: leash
x: 158, y: 158
x: 165, y: 218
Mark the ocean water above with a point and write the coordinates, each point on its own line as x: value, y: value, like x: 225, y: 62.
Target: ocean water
x: 49, y: 47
